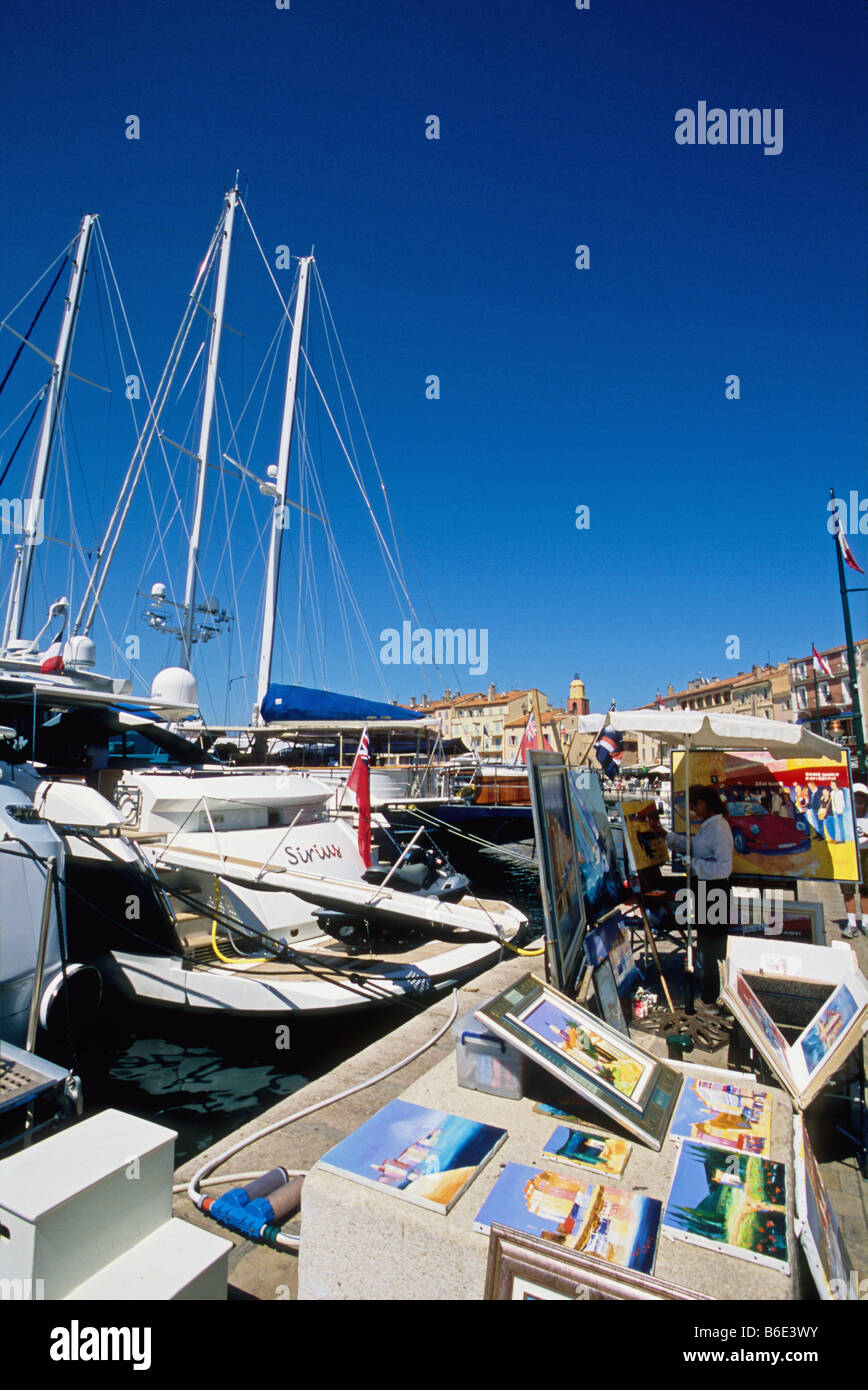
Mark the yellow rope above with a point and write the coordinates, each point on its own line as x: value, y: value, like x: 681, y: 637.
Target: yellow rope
x: 227, y: 960
x: 520, y: 951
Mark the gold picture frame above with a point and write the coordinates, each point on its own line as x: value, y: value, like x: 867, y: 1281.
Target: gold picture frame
x: 522, y: 1268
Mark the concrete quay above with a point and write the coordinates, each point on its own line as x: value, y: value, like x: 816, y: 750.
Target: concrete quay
x: 259, y: 1272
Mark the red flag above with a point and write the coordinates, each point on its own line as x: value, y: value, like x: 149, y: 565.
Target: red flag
x: 530, y: 740
x: 359, y: 783
x: 847, y: 554
x: 820, y: 664
x: 53, y: 658
x: 659, y: 700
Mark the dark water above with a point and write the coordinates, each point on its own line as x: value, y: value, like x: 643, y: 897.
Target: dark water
x: 206, y: 1076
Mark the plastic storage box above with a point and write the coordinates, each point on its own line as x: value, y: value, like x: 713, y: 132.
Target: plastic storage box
x: 485, y: 1063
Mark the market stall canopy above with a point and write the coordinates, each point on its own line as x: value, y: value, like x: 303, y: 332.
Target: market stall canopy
x: 713, y: 730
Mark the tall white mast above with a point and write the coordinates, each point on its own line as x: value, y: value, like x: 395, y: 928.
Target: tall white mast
x: 278, y: 518
x: 232, y: 200
x: 31, y: 525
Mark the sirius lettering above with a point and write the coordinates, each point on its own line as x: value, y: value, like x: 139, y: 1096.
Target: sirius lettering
x: 75, y: 1343
x: 446, y: 646
x: 304, y: 856
x: 738, y: 126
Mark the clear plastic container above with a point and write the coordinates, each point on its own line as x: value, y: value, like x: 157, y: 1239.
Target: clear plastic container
x: 485, y: 1063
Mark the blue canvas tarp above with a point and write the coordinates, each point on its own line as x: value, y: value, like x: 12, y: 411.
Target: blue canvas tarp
x: 287, y: 702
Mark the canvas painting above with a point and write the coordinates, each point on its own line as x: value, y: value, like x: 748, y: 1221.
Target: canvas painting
x: 598, y: 858
x: 763, y: 1019
x: 602, y: 1155
x: 732, y: 1202
x: 822, y: 1035
x: 724, y: 1114
x: 620, y: 1227
x: 644, y: 834
x: 790, y: 817
x: 560, y: 880
x: 616, y: 1066
x: 824, y: 1247
x: 608, y: 999
x: 601, y: 1065
x: 425, y: 1156
x: 613, y: 938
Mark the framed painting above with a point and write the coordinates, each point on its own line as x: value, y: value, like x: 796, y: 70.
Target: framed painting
x: 587, y: 1055
x: 602, y: 880
x: 608, y: 999
x: 524, y: 1269
x: 790, y: 817
x: 816, y: 1227
x: 560, y: 879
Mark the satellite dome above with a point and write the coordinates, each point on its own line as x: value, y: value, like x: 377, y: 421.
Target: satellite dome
x: 79, y: 654
x: 176, y: 686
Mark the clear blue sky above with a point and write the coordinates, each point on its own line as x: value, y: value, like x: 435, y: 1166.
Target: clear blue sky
x: 456, y: 256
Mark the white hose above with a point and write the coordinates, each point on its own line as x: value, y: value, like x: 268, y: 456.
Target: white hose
x: 292, y: 1242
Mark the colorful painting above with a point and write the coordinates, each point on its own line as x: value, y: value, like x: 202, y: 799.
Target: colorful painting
x: 619, y: 1227
x: 644, y: 834
x: 821, y: 1239
x: 735, y: 1203
x: 613, y: 938
x: 822, y: 1035
x: 423, y: 1155
x: 724, y: 1114
x: 560, y: 881
x: 616, y: 1066
x: 586, y: 1150
x: 790, y: 817
x: 763, y: 1019
x: 598, y: 858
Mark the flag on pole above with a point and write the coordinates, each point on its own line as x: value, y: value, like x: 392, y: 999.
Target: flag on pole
x: 659, y: 700
x: 530, y: 740
x: 359, y: 783
x: 53, y: 658
x: 609, y: 749
x: 846, y: 553
x: 821, y: 666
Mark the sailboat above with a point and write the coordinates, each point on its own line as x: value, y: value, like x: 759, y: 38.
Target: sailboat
x: 220, y: 888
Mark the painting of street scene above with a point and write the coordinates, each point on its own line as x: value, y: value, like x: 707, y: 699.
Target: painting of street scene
x: 724, y: 1114
x: 604, y: 1155
x: 821, y: 1036
x: 736, y: 1203
x: 619, y: 1227
x: 599, y: 1056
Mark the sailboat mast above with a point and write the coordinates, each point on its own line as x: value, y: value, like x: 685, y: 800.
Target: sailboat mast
x: 31, y: 525
x: 232, y: 200
x: 278, y: 517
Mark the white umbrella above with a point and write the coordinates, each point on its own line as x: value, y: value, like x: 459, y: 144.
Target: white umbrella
x: 698, y: 729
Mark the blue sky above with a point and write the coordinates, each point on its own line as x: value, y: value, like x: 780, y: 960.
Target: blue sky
x: 456, y: 257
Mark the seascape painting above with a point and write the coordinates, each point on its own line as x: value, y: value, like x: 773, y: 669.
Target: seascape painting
x: 601, y: 878
x: 424, y: 1155
x: 736, y: 1203
x: 723, y: 1114
x: 619, y: 1227
x: 613, y: 1065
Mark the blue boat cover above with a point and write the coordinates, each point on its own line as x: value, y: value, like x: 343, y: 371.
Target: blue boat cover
x: 287, y: 702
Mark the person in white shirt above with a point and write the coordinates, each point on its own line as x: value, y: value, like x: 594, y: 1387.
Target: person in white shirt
x: 860, y: 802
x: 711, y: 861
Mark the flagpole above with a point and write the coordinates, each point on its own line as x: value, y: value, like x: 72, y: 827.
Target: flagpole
x: 592, y: 744
x: 819, y: 728
x: 851, y: 654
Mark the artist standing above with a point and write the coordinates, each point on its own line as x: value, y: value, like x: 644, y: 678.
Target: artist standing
x: 710, y: 860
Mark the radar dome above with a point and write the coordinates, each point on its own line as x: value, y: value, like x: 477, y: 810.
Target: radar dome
x: 79, y: 654
x: 176, y: 686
